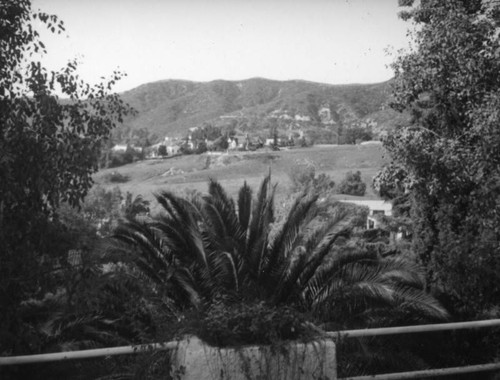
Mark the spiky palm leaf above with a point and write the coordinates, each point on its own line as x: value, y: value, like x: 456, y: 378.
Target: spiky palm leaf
x: 244, y: 206
x: 156, y: 260
x: 206, y: 247
x: 259, y: 227
x: 59, y: 329
x: 289, y: 234
x: 355, y: 287
x: 180, y: 229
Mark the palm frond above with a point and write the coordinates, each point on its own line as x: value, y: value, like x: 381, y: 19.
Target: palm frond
x: 158, y: 254
x: 258, y: 231
x: 403, y: 271
x: 183, y: 287
x: 180, y: 228
x: 244, y: 206
x: 233, y: 270
x: 300, y: 214
x: 317, y: 234
x: 419, y: 302
x: 222, y: 226
x: 142, y: 236
x: 341, y: 229
x: 287, y: 286
x: 338, y: 280
x: 342, y: 302
x: 225, y: 207
x: 357, y: 285
x: 224, y: 272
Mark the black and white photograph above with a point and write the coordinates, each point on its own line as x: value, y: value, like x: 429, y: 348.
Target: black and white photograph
x: 249, y: 189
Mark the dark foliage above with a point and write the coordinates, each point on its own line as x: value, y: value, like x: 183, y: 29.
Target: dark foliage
x: 304, y: 177
x: 202, y: 250
x: 115, y: 159
x: 243, y: 323
x: 448, y: 157
x: 49, y: 150
x: 352, y: 184
x: 116, y: 177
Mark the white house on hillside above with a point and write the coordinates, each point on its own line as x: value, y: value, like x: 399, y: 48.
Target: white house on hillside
x: 376, y: 207
x: 119, y: 148
x: 173, y: 149
x: 123, y: 148
x: 270, y: 142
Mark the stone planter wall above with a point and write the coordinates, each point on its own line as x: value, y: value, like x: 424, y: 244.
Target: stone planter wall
x: 195, y: 360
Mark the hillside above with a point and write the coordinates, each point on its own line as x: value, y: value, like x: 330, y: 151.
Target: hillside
x: 171, y: 107
x: 191, y: 172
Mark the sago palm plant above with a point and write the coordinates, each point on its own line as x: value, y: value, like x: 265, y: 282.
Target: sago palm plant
x: 209, y: 247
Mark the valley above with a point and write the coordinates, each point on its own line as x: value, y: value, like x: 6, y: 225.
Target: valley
x: 191, y: 172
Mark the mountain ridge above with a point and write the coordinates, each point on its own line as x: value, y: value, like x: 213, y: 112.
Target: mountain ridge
x: 174, y: 106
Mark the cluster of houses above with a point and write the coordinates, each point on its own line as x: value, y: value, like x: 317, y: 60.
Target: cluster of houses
x: 171, y: 146
x: 324, y: 114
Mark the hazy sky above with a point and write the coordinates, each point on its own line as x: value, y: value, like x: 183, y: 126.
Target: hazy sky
x: 331, y: 41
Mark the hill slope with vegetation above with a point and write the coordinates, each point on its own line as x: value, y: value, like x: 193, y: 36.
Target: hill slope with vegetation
x: 171, y: 107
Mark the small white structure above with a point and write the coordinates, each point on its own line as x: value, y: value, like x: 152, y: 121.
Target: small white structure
x: 300, y: 117
x: 190, y: 143
x: 231, y: 143
x: 173, y: 149
x: 325, y: 115
x: 270, y: 142
x: 138, y: 149
x: 376, y: 207
x: 119, y: 148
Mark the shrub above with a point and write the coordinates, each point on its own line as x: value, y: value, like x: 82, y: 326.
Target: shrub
x: 303, y: 177
x: 323, y: 183
x: 123, y: 158
x: 162, y: 150
x: 116, y: 177
x: 352, y: 184
x: 233, y: 324
x: 186, y: 150
x: 201, y: 148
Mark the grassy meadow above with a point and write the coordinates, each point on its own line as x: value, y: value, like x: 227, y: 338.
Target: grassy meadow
x: 187, y: 173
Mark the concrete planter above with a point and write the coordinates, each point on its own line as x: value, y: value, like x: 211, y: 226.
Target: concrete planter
x: 195, y: 360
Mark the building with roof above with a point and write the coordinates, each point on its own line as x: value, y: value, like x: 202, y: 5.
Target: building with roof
x: 375, y: 207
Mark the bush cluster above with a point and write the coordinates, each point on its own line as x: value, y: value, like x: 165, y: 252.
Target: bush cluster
x: 352, y: 184
x: 234, y: 324
x: 116, y: 177
x: 116, y: 159
x: 305, y: 177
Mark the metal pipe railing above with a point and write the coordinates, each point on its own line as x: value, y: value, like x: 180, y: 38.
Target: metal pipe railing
x: 413, y: 329
x: 126, y: 350
x: 429, y: 373
x: 86, y: 354
x: 419, y: 329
